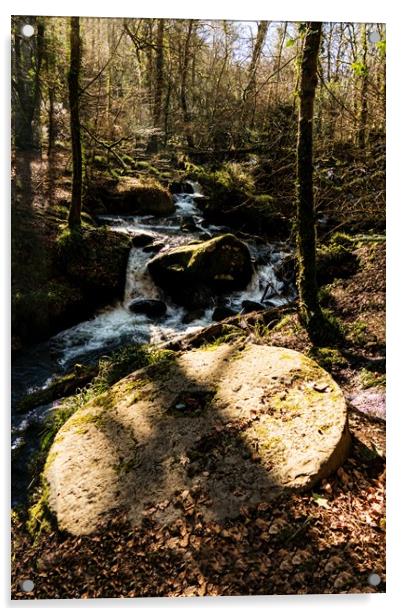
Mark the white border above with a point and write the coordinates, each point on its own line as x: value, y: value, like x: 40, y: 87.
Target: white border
x: 292, y: 10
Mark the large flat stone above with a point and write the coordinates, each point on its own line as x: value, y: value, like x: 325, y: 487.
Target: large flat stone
x: 237, y: 424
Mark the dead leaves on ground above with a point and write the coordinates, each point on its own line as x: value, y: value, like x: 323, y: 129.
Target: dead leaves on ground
x: 325, y: 541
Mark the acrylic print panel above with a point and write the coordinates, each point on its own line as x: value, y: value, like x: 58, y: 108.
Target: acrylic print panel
x: 198, y: 296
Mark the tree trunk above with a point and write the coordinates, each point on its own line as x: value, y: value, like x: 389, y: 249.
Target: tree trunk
x: 153, y: 145
x: 361, y: 136
x: 309, y: 308
x: 248, y: 107
x: 74, y: 218
x: 183, y: 88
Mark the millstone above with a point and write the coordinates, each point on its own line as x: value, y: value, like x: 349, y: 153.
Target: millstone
x: 234, y: 424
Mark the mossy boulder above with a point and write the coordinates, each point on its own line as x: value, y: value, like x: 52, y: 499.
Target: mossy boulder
x: 39, y: 313
x: 138, y: 197
x: 232, y: 199
x: 230, y: 426
x: 220, y: 264
x: 96, y: 261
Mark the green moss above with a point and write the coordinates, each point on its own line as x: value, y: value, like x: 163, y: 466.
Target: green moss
x: 230, y: 333
x: 327, y: 357
x: 370, y: 378
x: 288, y: 322
x: 222, y: 262
x: 144, y: 196
x: 357, y: 331
x: 100, y: 161
x: 343, y: 240
x: 40, y: 518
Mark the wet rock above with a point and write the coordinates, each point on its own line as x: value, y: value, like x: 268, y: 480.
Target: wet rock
x: 223, y: 312
x: 221, y: 264
x: 286, y: 269
x: 250, y: 306
x: 153, y: 308
x: 193, y: 315
x: 188, y: 224
x: 181, y: 187
x: 193, y: 297
x: 139, y: 240
x: 200, y: 200
x: 154, y: 248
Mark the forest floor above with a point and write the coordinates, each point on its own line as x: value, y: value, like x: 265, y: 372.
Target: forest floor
x: 327, y: 540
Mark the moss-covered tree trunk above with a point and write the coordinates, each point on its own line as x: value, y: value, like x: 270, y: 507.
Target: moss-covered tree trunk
x: 363, y: 111
x: 309, y: 308
x: 74, y: 218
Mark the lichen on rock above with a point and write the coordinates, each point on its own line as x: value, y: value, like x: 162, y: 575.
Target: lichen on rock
x: 237, y: 423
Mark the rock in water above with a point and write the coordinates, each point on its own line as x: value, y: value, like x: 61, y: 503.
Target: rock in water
x: 151, y: 307
x: 223, y: 312
x: 239, y: 424
x: 139, y: 239
x: 222, y: 263
x: 250, y: 306
x: 181, y: 187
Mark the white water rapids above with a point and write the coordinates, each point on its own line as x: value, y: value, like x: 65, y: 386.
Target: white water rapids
x: 116, y: 325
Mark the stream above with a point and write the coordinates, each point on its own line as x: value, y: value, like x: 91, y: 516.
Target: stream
x: 116, y: 326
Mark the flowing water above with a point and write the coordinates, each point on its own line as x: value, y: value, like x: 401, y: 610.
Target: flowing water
x: 116, y: 325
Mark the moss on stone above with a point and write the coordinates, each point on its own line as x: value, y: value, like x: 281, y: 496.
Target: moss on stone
x: 134, y: 196
x: 40, y: 517
x: 95, y: 260
x: 223, y: 262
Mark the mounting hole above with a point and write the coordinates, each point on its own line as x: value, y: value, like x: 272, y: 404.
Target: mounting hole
x: 374, y: 37
x: 27, y: 30
x: 374, y: 579
x: 27, y: 585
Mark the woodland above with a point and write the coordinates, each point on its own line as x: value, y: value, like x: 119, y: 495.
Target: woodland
x: 198, y: 307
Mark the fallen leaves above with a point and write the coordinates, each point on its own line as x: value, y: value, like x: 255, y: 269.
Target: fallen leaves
x: 320, y: 542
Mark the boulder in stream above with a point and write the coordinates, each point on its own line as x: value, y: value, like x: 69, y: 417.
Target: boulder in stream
x: 152, y: 308
x: 181, y: 187
x: 250, y: 306
x: 223, y: 312
x: 139, y: 197
x: 141, y: 239
x: 220, y: 264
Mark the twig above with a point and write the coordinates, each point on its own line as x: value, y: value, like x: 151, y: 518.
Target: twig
x: 108, y: 146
